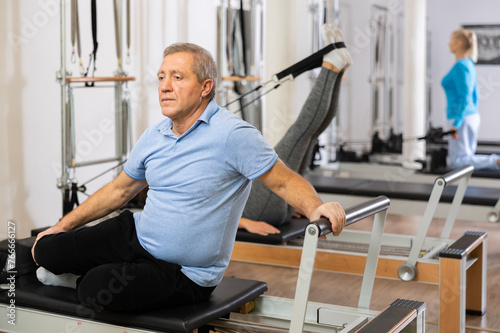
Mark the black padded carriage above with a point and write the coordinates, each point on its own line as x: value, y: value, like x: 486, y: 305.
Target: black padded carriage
x: 484, y: 196
x: 229, y: 295
x: 288, y: 231
x: 477, y: 173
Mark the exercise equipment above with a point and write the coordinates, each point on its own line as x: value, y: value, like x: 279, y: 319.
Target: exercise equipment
x: 40, y: 308
x: 409, y: 190
x: 382, y: 72
x: 240, y: 56
x: 410, y: 258
x: 280, y: 311
x: 240, y: 66
x: 123, y: 140
x: 290, y: 73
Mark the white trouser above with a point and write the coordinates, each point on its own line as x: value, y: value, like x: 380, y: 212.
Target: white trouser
x: 463, y: 150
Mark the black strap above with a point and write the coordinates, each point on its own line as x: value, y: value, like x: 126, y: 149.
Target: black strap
x: 243, y: 38
x: 70, y: 200
x: 74, y: 195
x: 313, y: 61
x: 23, y: 269
x: 93, y: 55
x: 67, y: 205
x: 3, y: 259
x: 94, y: 29
x: 24, y: 263
x: 339, y: 45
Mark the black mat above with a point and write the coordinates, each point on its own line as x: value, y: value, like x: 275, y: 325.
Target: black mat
x: 228, y: 296
x: 484, y: 196
x: 288, y: 231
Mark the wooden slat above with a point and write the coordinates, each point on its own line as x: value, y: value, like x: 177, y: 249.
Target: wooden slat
x: 449, y: 313
x: 334, y: 262
x: 386, y: 317
x: 474, y: 299
x: 99, y: 79
x: 240, y: 78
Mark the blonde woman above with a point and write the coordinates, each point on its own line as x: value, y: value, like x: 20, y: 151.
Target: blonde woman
x: 460, y: 86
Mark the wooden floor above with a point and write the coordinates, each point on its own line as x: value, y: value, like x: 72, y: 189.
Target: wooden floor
x: 343, y: 289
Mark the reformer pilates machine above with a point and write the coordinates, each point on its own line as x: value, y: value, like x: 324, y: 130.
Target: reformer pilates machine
x: 408, y: 190
x: 36, y: 307
x: 67, y: 183
x: 461, y: 277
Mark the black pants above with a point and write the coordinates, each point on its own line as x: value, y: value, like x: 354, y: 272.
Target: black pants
x: 117, y: 273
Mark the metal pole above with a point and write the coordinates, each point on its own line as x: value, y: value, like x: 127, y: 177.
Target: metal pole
x: 414, y: 81
x: 222, y: 25
x: 63, y: 182
x: 373, y: 69
x: 120, y: 107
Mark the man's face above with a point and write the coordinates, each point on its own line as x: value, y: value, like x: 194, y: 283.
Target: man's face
x: 179, y: 91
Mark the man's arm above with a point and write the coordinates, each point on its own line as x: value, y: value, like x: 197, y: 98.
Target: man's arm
x: 299, y: 193
x: 111, y: 197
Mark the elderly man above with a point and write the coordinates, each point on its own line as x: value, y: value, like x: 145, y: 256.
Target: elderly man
x: 199, y: 163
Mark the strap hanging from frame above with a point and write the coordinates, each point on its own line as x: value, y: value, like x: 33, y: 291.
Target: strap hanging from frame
x: 93, y: 55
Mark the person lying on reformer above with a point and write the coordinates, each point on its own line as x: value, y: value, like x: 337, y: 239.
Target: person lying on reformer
x: 264, y: 210
x: 199, y: 163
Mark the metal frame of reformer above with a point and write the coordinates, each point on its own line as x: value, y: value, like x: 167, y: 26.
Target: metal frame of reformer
x: 401, y: 316
x: 390, y: 172
x: 302, y: 315
x: 280, y: 314
x: 430, y: 268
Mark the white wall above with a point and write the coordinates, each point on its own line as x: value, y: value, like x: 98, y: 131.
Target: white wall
x: 445, y: 16
x: 30, y: 129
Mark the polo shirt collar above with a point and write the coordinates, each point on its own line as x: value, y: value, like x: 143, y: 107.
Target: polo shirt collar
x: 165, y: 126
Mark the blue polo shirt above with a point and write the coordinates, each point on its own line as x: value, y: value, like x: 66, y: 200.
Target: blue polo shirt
x: 198, y: 186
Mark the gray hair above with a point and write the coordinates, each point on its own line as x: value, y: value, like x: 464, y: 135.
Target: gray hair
x: 204, y: 66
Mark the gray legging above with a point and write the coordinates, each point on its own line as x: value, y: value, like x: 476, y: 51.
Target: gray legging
x: 296, y: 147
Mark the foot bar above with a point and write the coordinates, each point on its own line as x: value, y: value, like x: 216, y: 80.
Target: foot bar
x: 356, y: 213
x: 464, y: 245
x: 400, y: 314
x: 314, y: 230
x: 408, y: 271
x: 453, y: 176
